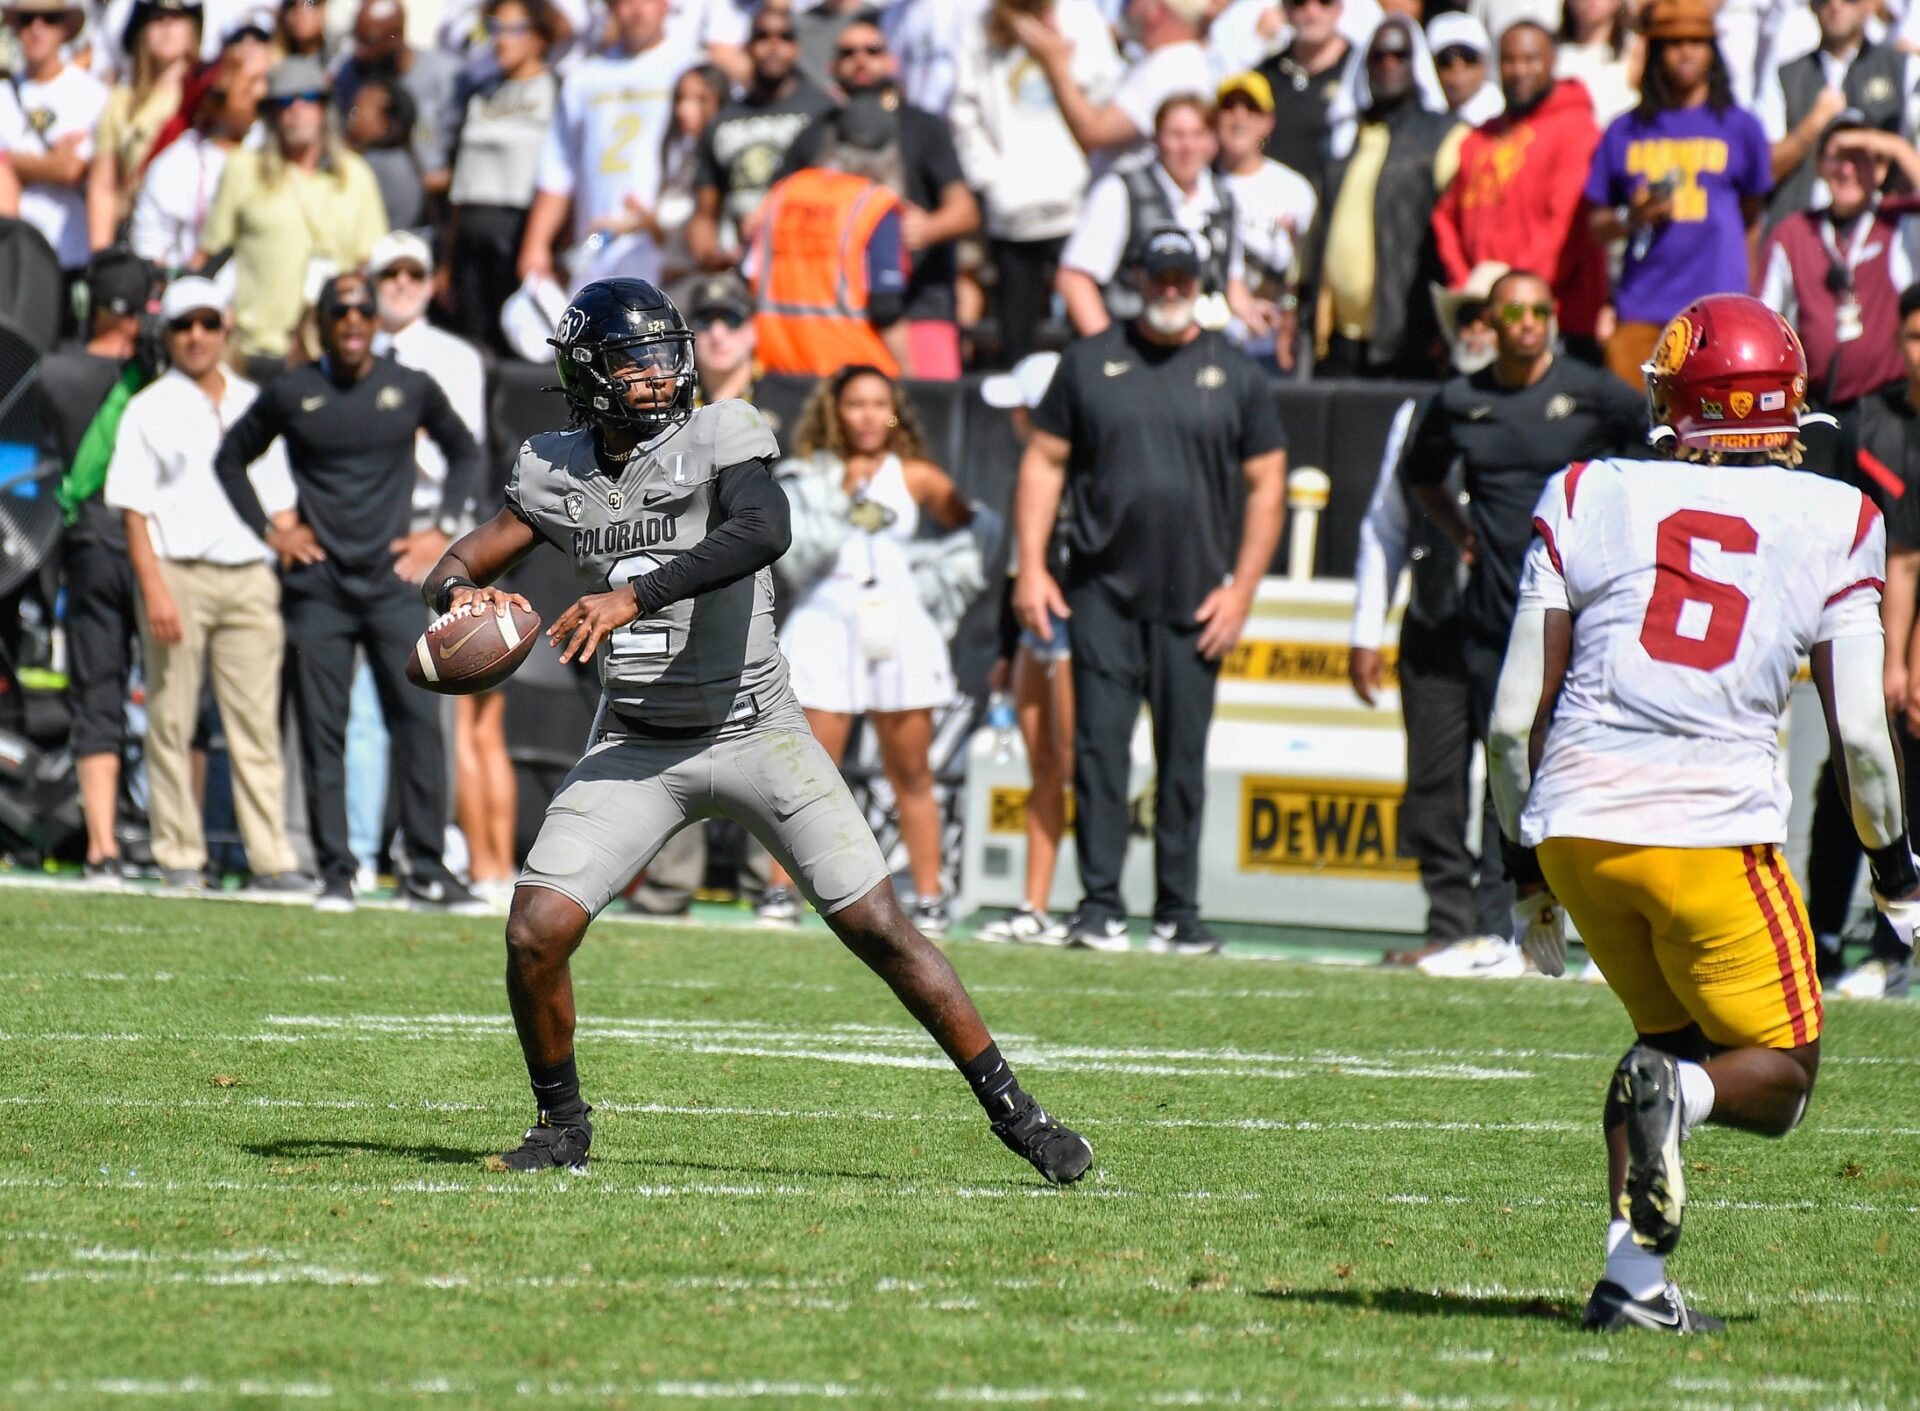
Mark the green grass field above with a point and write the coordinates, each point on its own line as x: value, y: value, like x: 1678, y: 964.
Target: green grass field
x: 242, y: 1164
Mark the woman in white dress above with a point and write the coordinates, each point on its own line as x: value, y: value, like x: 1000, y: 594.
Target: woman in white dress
x: 858, y: 639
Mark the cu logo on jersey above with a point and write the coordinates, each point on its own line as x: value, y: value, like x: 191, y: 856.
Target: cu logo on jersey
x: 572, y: 324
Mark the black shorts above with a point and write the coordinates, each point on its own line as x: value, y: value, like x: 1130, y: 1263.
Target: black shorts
x: 102, y: 623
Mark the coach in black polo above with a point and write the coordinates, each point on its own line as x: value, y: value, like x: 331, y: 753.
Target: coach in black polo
x: 1166, y: 443
x: 1510, y: 427
x: 349, y: 566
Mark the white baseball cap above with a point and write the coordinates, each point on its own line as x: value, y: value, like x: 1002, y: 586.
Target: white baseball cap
x: 396, y: 246
x: 1022, y: 387
x: 190, y: 293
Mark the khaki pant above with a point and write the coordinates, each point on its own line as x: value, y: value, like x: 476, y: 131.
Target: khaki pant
x: 230, y: 624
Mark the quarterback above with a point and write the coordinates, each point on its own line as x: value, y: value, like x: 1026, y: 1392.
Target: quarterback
x: 1664, y: 610
x: 672, y: 516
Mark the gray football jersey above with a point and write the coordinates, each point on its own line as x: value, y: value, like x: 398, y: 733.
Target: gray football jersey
x: 698, y: 662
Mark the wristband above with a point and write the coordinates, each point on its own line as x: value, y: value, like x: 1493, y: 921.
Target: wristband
x: 443, y: 596
x: 1894, y: 875
x: 1523, y: 864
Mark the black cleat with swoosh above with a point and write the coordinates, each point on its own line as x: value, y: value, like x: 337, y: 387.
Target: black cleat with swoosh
x: 1612, y: 1308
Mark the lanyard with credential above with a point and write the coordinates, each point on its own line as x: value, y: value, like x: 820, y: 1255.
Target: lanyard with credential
x: 1848, y: 324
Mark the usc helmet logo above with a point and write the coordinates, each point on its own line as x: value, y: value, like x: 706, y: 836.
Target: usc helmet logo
x: 1675, y: 344
x: 1741, y: 403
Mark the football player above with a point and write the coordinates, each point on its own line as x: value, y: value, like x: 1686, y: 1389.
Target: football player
x: 671, y: 514
x: 1664, y: 610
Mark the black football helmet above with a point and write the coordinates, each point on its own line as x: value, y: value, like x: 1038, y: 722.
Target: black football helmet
x: 614, y: 336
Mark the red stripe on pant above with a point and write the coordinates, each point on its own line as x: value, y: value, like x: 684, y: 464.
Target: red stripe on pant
x: 1788, y: 981
x: 1800, y: 930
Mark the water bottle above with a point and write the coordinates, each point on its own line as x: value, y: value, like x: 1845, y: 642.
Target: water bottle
x: 1000, y: 721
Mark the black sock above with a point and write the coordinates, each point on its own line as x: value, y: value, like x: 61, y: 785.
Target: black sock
x: 993, y: 1083
x: 556, y: 1092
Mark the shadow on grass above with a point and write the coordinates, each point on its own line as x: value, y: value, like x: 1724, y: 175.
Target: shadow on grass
x: 768, y: 1172
x: 313, y: 1148
x: 1425, y: 1303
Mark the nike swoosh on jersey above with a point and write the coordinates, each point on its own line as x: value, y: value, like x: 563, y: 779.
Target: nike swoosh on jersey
x: 1114, y: 369
x: 1479, y: 413
x: 446, y: 652
x: 655, y: 497
x: 312, y: 404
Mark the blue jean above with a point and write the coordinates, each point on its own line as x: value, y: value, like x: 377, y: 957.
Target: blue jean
x: 367, y: 751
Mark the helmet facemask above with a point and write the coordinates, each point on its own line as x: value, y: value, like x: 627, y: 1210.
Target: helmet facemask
x: 647, y: 384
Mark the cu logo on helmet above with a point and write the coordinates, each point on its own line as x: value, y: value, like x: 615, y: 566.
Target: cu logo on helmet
x: 572, y: 323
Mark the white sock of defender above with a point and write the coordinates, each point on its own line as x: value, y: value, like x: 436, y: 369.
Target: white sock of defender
x: 1640, y: 1272
x: 1696, y: 1096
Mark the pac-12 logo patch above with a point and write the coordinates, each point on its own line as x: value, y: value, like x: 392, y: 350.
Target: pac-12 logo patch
x: 575, y: 502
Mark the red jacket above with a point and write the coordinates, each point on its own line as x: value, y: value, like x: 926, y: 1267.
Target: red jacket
x: 1517, y: 200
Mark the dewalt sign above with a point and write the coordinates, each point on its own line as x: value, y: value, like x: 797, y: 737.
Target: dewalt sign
x: 1327, y: 827
x: 1299, y: 664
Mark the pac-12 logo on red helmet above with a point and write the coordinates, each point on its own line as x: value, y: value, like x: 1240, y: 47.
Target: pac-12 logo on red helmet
x: 1728, y: 376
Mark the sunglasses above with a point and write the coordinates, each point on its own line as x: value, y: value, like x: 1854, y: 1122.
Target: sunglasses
x: 337, y: 311
x: 508, y: 28
x: 1455, y: 54
x: 771, y: 36
x: 1238, y: 100
x: 31, y: 18
x: 273, y: 105
x: 850, y: 51
x: 1389, y: 56
x: 1510, y: 314
x: 726, y: 318
x: 412, y: 272
x: 1311, y: 4
x: 206, y: 320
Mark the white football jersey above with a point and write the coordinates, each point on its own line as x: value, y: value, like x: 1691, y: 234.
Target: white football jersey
x: 1696, y: 591
x: 606, y: 138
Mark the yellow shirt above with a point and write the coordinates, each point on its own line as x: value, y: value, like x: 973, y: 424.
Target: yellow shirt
x: 276, y: 232
x: 128, y: 132
x: 1349, y: 259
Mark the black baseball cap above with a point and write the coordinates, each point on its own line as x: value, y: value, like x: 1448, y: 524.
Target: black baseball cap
x: 720, y: 294
x: 118, y: 282
x: 1169, y: 250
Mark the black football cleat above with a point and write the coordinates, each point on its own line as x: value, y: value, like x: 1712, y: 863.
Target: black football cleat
x: 1612, y: 1308
x: 1647, y: 1085
x: 547, y: 1146
x: 1059, y: 1153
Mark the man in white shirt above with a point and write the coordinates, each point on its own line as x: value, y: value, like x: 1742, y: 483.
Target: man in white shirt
x: 1121, y: 129
x: 47, y: 116
x: 1273, y: 207
x: 603, y: 151
x: 208, y: 597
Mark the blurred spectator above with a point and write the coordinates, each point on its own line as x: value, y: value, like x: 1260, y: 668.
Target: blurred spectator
x: 1273, y: 209
x: 1019, y: 155
x: 1518, y: 197
x: 858, y: 639
x: 714, y: 31
x: 217, y: 112
x: 1509, y: 428
x: 1598, y: 47
x: 1168, y: 32
x: 1684, y: 178
x: 431, y: 77
x: 163, y: 37
x: 915, y: 159
x: 1796, y: 102
x: 377, y: 127
x: 47, y: 116
x: 742, y: 148
x: 1495, y: 16
x: 292, y: 213
x: 697, y: 96
x: 1156, y: 433
x: 76, y: 381
x: 817, y: 27
x: 1460, y: 49
x: 1374, y: 319
x: 302, y: 30
x: 1038, y: 675
x: 926, y: 37
x: 814, y: 316
x: 465, y: 33
x: 1305, y: 77
x: 604, y: 149
x: 1124, y: 210
x: 209, y: 602
x: 351, y: 423
x: 1836, y: 273
x: 497, y: 161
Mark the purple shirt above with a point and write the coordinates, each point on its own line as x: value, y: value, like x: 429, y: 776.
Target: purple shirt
x: 1713, y: 161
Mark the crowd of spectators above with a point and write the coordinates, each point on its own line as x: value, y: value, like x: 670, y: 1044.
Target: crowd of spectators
x: 932, y: 187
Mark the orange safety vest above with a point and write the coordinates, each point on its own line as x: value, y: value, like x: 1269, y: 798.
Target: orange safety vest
x: 810, y: 287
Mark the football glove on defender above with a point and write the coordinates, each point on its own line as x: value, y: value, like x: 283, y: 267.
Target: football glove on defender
x: 1541, y: 928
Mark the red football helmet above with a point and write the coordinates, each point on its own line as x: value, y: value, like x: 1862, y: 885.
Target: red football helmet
x: 1728, y: 376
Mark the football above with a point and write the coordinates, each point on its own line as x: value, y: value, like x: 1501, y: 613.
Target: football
x: 472, y: 649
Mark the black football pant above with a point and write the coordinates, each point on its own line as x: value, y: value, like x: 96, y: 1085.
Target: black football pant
x: 1117, y: 660
x: 328, y: 614
x: 1495, y: 897
x: 1023, y: 292
x: 1833, y: 857
x: 1436, y: 702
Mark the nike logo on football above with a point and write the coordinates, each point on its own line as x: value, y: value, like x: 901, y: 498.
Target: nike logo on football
x: 1114, y: 369
x: 446, y: 652
x: 312, y: 404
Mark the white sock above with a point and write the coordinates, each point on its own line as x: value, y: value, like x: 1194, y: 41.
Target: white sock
x: 1696, y: 1096
x: 1640, y: 1272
